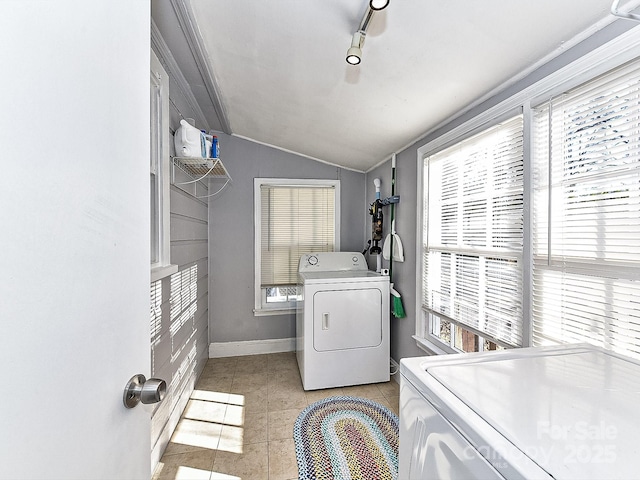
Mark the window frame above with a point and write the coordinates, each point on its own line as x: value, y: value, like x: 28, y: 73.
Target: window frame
x: 160, y: 217
x: 427, y: 319
x: 261, y: 308
x: 604, y: 273
x: 610, y: 55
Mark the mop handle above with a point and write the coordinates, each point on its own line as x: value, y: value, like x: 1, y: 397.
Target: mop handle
x: 393, y: 192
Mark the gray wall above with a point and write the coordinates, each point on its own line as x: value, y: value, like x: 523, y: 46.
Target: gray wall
x: 180, y: 333
x: 231, y: 235
x: 403, y: 274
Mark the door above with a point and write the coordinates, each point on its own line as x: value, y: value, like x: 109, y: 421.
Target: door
x: 74, y: 257
x: 348, y: 318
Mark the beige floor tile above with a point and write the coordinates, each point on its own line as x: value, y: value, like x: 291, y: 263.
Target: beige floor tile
x: 194, y: 465
x: 215, y: 383
x: 317, y: 395
x: 220, y: 365
x: 239, y: 420
x: 282, y: 460
x: 285, y: 380
x: 180, y: 448
x: 248, y: 382
x: 285, y: 399
x: 282, y: 361
x: 281, y: 424
x: 364, y: 391
x: 389, y: 389
x: 252, y: 429
x: 254, y: 401
x: 196, y: 433
x: 205, y: 411
x: 252, y: 364
x: 211, y: 396
x: 251, y: 463
x: 394, y: 404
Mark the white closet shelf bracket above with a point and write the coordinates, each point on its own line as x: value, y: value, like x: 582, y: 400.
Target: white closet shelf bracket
x: 199, y: 170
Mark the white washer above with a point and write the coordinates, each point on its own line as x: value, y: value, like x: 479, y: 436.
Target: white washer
x: 563, y: 413
x: 342, y: 321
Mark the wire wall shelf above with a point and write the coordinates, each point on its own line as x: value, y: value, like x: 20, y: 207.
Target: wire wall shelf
x: 199, y: 170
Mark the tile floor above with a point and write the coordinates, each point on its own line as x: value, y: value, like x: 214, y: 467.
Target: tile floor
x: 238, y: 423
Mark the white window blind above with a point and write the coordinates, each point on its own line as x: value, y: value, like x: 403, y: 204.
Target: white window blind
x: 586, y: 215
x: 473, y: 233
x: 294, y: 220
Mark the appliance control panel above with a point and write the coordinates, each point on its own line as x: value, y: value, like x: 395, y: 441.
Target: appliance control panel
x: 332, y: 262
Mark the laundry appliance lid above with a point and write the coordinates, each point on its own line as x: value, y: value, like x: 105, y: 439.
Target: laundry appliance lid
x: 574, y: 414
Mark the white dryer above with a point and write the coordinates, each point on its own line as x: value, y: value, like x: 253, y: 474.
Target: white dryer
x: 342, y: 321
x: 563, y: 413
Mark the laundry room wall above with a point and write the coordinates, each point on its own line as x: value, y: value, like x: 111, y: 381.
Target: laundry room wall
x: 179, y: 303
x: 231, y: 235
x: 403, y: 274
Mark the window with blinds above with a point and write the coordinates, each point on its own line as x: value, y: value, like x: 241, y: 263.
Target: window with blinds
x: 473, y: 238
x: 295, y: 217
x: 586, y: 214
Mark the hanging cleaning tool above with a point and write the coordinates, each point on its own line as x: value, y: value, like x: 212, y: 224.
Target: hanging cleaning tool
x: 397, y: 309
x: 376, y: 228
x: 393, y: 240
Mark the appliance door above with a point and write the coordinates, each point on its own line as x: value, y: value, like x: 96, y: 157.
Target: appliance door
x: 431, y: 448
x: 347, y: 318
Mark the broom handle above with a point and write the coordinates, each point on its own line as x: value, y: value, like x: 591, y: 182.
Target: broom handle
x: 393, y: 192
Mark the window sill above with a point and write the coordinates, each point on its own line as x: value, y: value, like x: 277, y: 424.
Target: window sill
x: 266, y: 312
x: 432, y: 348
x: 158, y: 273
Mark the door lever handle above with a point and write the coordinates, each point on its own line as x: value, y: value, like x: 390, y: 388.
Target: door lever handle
x: 139, y: 389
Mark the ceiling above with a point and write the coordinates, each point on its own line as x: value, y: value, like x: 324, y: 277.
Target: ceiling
x: 275, y: 72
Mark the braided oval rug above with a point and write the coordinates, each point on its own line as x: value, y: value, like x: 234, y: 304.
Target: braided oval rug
x: 341, y: 438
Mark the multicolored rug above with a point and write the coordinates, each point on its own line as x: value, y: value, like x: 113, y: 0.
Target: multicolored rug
x: 341, y: 438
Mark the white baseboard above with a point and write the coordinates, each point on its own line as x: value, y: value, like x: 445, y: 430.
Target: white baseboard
x: 251, y: 347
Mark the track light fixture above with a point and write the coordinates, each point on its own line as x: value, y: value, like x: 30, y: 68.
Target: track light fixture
x: 354, y: 54
x: 378, y: 4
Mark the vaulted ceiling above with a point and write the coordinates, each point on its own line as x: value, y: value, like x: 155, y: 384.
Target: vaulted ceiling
x: 275, y: 72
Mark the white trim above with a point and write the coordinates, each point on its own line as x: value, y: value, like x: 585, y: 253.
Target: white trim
x: 430, y: 347
x: 159, y: 166
x: 165, y: 56
x: 186, y: 19
x: 161, y: 272
x: 251, y: 347
x: 286, y: 150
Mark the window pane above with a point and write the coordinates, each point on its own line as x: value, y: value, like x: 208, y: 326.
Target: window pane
x: 473, y: 234
x: 293, y: 217
x: 586, y: 214
x: 281, y: 294
x: 441, y: 329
